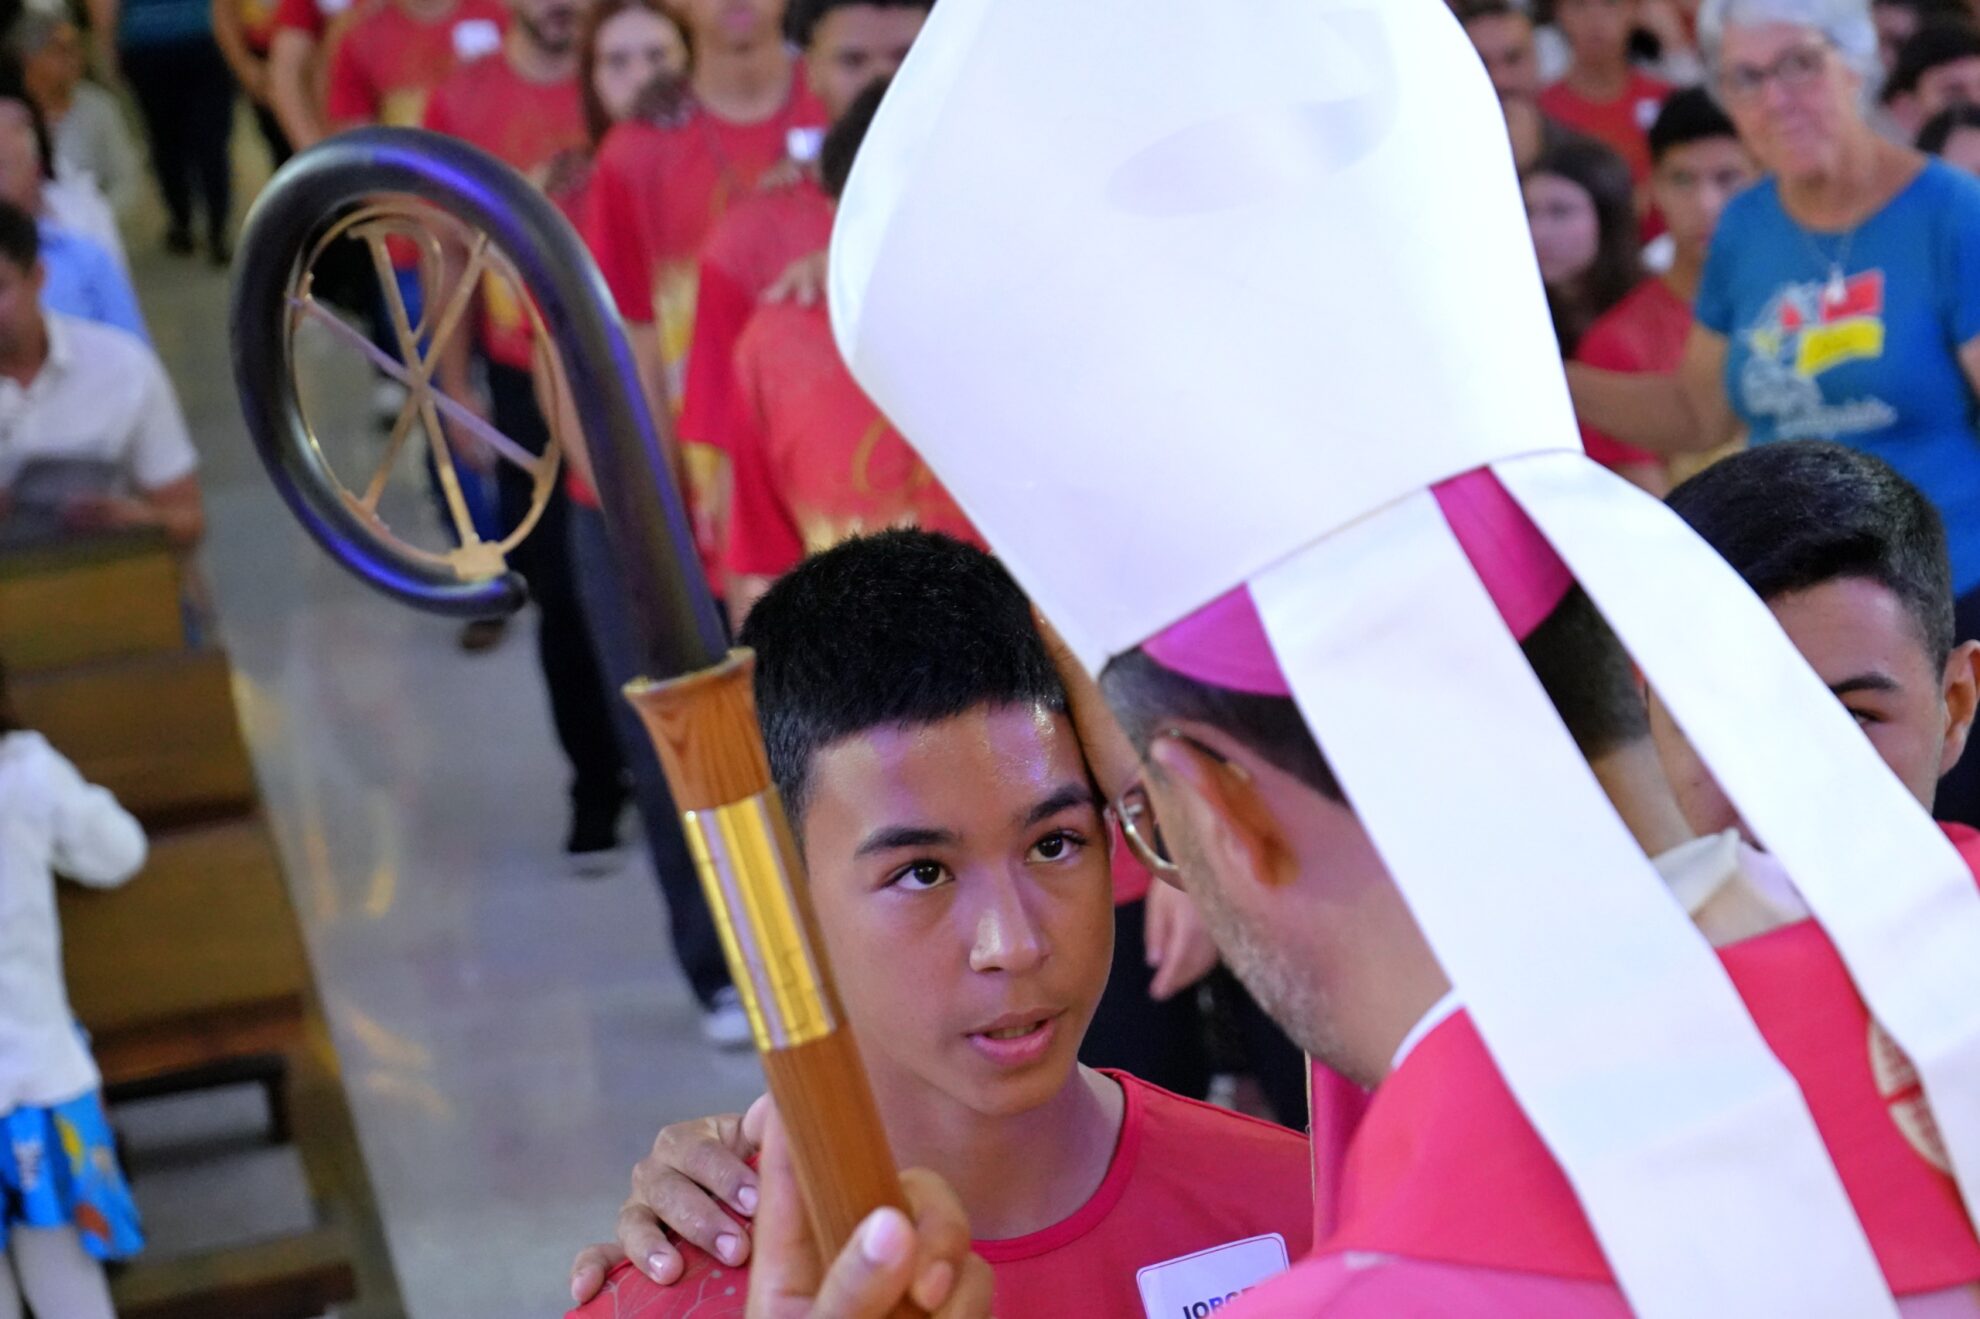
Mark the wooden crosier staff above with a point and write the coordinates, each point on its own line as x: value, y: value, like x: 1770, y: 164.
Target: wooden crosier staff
x: 383, y: 185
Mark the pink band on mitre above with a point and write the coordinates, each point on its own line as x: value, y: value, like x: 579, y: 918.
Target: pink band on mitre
x: 1224, y: 644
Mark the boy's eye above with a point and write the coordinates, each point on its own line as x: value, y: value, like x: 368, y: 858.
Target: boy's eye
x: 1057, y: 846
x: 920, y: 875
x: 1865, y: 717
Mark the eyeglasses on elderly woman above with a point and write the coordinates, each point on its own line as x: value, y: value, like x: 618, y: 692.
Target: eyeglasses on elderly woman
x: 1794, y: 68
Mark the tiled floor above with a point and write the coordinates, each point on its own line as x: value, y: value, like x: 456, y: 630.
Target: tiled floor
x: 511, y: 1036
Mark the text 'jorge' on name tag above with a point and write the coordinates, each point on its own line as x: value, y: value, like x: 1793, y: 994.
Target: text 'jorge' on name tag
x: 1193, y: 1286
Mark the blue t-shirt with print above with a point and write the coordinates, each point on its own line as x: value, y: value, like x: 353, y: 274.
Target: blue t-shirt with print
x: 1870, y: 360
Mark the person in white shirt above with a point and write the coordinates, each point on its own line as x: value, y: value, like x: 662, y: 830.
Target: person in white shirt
x: 80, y: 393
x: 64, y: 1204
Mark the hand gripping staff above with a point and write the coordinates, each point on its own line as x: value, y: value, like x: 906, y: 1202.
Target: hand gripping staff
x: 469, y: 221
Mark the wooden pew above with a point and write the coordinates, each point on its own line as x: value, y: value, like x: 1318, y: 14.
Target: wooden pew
x: 159, y: 731
x: 195, y: 964
x: 86, y: 600
x: 207, y: 935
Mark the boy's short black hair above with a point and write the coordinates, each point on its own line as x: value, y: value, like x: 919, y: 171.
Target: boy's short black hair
x: 1797, y: 513
x: 900, y: 628
x: 1579, y: 661
x: 20, y: 237
x: 1939, y: 129
x: 1943, y: 41
x: 1688, y: 116
x: 802, y: 17
x: 843, y: 140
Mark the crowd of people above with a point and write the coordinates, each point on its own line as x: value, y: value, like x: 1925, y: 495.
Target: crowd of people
x: 1758, y: 229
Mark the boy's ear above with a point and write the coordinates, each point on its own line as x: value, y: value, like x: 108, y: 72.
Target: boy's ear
x: 1224, y: 814
x: 1962, y: 696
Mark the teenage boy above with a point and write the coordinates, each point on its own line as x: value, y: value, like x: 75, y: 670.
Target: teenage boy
x: 1602, y: 94
x: 1852, y: 560
x: 1697, y: 166
x: 954, y: 845
x: 1938, y: 67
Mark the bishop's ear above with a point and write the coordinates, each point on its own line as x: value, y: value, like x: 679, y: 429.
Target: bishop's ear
x: 1215, y: 816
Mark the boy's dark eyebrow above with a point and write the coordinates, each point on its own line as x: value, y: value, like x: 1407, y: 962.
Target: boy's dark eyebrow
x: 1068, y: 795
x: 1864, y: 682
x: 892, y: 838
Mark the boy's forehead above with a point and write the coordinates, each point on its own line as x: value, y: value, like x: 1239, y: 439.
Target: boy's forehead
x: 1852, y: 620
x: 987, y: 757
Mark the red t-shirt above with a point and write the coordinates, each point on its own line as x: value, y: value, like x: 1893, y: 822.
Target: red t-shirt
x: 655, y: 195
x: 1643, y: 334
x: 1185, y: 1177
x: 310, y: 17
x: 815, y: 462
x: 746, y: 252
x: 385, y: 63
x: 526, y: 125
x: 1622, y: 124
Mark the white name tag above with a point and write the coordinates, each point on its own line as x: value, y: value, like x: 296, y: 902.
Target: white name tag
x: 475, y: 37
x: 1204, y: 1283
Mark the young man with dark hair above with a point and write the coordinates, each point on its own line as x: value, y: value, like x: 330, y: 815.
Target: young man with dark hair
x: 1937, y: 67
x: 1852, y: 560
x: 87, y: 401
x: 847, y: 45
x: 954, y: 846
x: 1697, y: 166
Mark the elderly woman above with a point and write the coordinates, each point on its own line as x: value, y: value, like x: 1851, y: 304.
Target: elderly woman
x: 1841, y: 299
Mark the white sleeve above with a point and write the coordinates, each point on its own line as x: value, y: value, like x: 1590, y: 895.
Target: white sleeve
x: 96, y: 841
x: 161, y: 449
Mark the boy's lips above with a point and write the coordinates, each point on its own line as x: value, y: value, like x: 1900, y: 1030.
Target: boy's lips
x: 1017, y: 1038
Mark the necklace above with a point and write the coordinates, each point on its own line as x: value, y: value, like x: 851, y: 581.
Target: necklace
x: 1837, y: 288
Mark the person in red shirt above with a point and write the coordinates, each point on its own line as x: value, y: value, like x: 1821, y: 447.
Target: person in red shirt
x: 815, y: 462
x: 847, y: 44
x: 657, y: 189
x: 391, y: 54
x: 1602, y: 94
x: 1698, y: 166
x: 245, y: 30
x: 953, y: 844
x: 633, y: 51
x: 521, y: 104
x: 296, y: 69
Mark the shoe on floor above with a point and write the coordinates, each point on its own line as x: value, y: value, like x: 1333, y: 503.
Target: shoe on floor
x: 592, y: 846
x: 482, y: 634
x: 724, y: 1024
